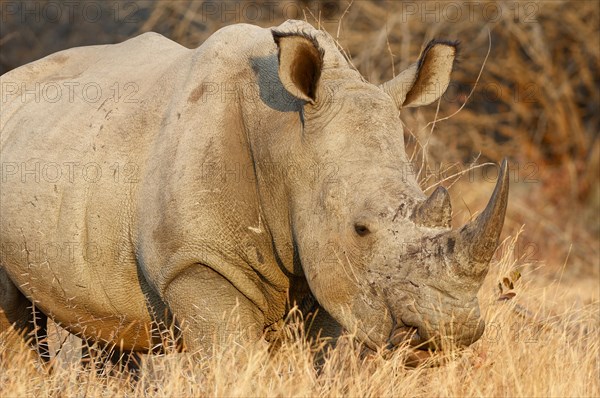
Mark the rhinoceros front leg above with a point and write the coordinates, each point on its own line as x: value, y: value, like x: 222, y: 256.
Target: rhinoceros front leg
x: 19, y: 321
x: 209, y: 310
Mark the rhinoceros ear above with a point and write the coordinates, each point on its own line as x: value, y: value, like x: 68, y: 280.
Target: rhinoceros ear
x: 424, y: 82
x: 300, y: 64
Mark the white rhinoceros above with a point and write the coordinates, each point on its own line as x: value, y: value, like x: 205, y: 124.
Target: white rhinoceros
x: 144, y: 182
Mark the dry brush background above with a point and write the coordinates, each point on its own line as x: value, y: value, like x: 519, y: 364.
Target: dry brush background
x: 536, y: 101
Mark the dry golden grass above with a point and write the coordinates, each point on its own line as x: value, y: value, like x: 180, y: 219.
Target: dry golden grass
x: 536, y: 344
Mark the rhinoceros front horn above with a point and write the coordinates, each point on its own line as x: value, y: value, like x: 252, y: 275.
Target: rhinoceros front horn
x: 480, y: 237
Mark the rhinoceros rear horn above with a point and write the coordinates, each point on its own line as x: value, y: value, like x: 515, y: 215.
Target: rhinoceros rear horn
x: 300, y: 64
x: 435, y: 211
x: 480, y: 237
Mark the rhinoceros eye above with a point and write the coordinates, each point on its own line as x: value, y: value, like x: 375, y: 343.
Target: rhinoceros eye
x: 361, y: 229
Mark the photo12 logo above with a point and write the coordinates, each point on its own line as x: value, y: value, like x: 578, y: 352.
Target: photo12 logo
x: 70, y: 12
x: 69, y: 91
x: 268, y: 11
x: 469, y: 11
x: 68, y: 172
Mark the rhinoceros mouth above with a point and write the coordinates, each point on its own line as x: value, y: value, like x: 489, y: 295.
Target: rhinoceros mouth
x: 409, y: 335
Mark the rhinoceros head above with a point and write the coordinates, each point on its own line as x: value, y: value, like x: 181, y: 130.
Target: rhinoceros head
x: 378, y: 254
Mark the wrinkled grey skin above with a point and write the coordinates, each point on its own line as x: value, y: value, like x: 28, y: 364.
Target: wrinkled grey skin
x: 217, y: 199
